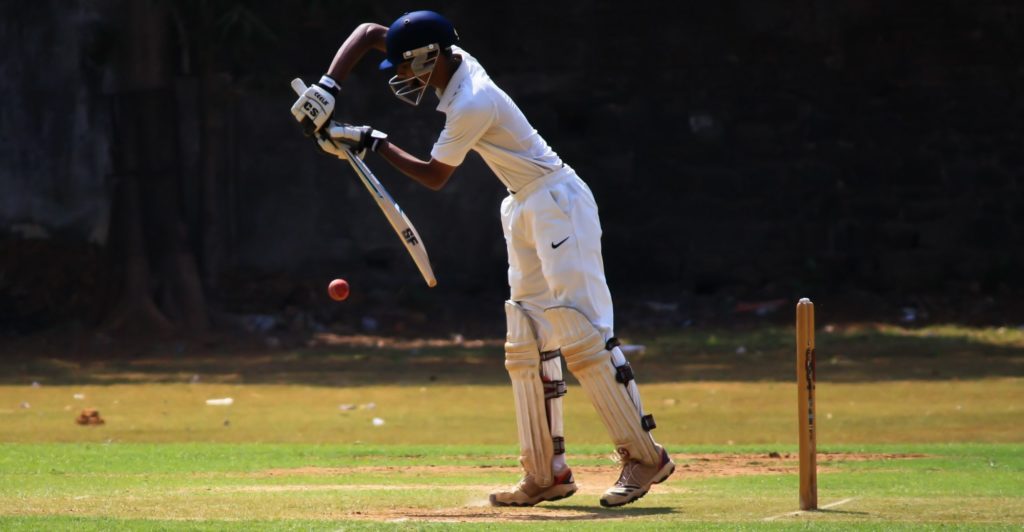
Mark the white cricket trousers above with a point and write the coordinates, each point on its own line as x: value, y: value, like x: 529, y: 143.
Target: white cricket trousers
x: 553, y: 235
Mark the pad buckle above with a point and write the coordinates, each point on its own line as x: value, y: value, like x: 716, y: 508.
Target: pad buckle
x: 558, y: 443
x: 624, y: 374
x: 554, y: 389
x: 612, y: 342
x: 647, y: 422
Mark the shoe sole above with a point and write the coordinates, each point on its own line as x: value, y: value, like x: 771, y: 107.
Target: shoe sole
x: 671, y: 469
x: 549, y: 499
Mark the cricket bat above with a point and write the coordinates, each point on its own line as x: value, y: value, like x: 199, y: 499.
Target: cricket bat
x: 399, y: 221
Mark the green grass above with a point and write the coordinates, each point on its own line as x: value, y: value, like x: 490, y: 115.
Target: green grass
x: 937, y: 411
x: 148, y: 470
x: 154, y: 486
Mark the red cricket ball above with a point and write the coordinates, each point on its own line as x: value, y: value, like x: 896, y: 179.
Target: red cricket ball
x: 338, y: 290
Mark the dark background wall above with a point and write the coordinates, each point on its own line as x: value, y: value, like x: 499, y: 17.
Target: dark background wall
x: 864, y: 152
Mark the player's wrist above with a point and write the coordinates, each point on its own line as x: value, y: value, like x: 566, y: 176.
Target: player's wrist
x: 329, y: 84
x: 376, y: 139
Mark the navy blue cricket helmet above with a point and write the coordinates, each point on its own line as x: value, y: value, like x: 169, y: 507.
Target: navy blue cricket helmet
x: 413, y: 31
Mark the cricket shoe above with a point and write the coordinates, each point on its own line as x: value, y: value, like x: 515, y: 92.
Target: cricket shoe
x: 528, y: 493
x: 636, y: 479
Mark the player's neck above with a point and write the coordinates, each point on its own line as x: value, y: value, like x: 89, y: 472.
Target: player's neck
x: 446, y: 71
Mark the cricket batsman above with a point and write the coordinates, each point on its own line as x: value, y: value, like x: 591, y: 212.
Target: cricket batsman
x: 560, y: 305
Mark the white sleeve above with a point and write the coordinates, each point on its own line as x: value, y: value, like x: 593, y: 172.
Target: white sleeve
x: 462, y: 129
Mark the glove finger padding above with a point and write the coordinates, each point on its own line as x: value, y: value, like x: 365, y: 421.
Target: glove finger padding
x: 349, y: 134
x: 336, y: 148
x: 361, y: 138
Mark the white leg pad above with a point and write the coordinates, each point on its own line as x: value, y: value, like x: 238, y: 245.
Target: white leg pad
x: 586, y: 357
x: 522, y: 360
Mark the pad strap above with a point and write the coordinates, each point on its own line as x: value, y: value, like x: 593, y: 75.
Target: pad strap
x: 550, y: 355
x: 624, y: 374
x: 554, y: 389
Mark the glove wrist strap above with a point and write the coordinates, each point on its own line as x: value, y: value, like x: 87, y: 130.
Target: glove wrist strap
x: 328, y: 83
x: 377, y: 139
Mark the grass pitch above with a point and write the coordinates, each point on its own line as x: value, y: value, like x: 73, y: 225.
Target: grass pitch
x: 299, y: 447
x: 300, y: 486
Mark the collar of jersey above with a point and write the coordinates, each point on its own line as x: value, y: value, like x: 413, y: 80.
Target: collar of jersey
x: 453, y: 84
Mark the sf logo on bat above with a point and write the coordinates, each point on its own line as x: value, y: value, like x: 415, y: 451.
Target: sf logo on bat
x: 410, y: 237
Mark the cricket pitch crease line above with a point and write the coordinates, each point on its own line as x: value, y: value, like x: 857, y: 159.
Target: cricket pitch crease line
x: 798, y: 512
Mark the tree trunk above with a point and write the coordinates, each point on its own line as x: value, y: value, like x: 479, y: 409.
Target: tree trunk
x: 214, y: 139
x: 146, y: 160
x: 135, y: 313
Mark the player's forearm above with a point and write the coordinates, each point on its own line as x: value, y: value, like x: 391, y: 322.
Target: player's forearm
x: 430, y: 174
x: 365, y: 36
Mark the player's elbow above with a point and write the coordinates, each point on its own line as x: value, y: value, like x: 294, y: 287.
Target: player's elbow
x: 370, y: 29
x: 438, y: 175
x: 372, y: 34
x: 436, y: 183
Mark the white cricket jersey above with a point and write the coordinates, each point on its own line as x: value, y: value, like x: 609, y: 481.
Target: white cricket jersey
x: 481, y: 117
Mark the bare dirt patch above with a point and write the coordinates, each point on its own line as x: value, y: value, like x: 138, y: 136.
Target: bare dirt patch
x: 690, y: 465
x: 592, y: 481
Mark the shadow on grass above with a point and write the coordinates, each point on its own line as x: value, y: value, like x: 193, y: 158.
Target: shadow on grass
x: 867, y: 353
x: 590, y: 513
x: 840, y: 512
x: 594, y: 512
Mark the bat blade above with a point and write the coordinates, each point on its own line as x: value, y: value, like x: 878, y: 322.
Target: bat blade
x: 401, y: 224
x: 403, y: 227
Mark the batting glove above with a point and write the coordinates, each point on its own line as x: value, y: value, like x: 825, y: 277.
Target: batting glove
x: 358, y: 138
x: 316, y: 105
